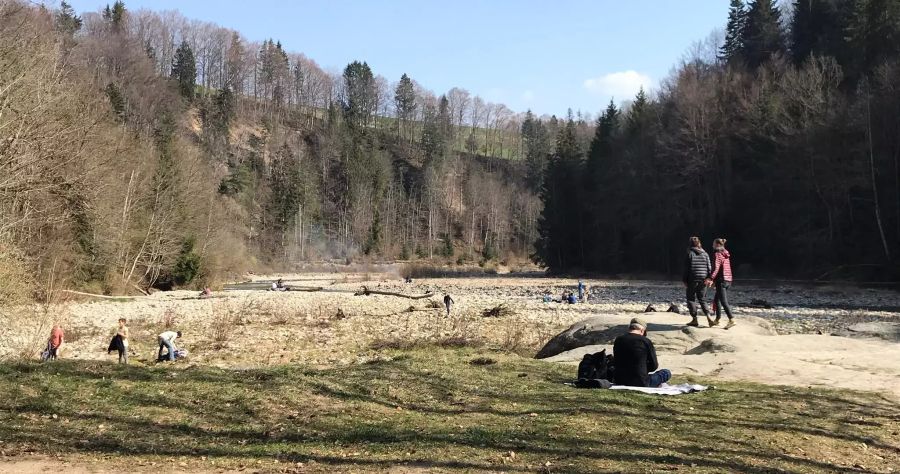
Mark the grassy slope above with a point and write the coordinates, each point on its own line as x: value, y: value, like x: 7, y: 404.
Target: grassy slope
x: 430, y: 408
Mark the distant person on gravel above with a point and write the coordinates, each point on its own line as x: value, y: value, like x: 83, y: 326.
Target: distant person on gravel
x: 448, y: 303
x: 55, y: 342
x: 697, y: 270
x: 167, y: 340
x: 721, y: 278
x: 635, y: 358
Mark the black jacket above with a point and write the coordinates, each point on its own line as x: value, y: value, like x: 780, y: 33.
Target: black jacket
x: 116, y: 344
x: 635, y: 358
x: 696, y: 266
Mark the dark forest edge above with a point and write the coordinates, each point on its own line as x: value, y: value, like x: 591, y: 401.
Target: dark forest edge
x: 784, y: 141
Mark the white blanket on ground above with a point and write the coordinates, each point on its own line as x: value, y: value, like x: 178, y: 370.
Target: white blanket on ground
x: 664, y: 389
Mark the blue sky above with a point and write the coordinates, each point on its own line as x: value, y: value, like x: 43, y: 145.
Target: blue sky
x: 543, y: 55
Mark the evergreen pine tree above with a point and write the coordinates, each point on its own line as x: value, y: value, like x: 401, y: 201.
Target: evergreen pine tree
x: 116, y: 100
x: 67, y: 22
x: 873, y: 33
x: 359, y: 94
x: 559, y: 244
x: 404, y: 102
x: 432, y: 138
x: 115, y: 16
x: 817, y: 27
x: 734, y: 32
x: 763, y: 35
x: 602, y: 188
x: 536, y: 141
x: 184, y: 71
x: 638, y: 109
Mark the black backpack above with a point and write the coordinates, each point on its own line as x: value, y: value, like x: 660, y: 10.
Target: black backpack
x: 594, y: 368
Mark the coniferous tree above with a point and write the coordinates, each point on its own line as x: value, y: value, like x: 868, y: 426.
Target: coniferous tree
x: 115, y: 16
x: 359, y: 94
x: 432, y: 138
x: 67, y: 22
x: 603, y: 189
x: 559, y: 243
x: 536, y: 142
x: 734, y: 32
x: 116, y: 101
x: 404, y: 102
x: 873, y: 33
x: 763, y: 35
x: 817, y: 28
x: 184, y: 71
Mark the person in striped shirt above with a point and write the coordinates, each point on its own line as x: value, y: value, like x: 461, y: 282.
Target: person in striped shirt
x: 721, y: 278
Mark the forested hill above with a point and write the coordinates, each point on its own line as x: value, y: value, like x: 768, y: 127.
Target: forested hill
x: 142, y: 148
x: 785, y: 140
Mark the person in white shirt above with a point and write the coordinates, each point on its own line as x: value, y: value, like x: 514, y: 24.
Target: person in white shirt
x: 167, y: 340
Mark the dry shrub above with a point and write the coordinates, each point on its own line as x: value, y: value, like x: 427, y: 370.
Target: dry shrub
x: 280, y: 318
x: 458, y: 330
x: 15, y: 281
x: 498, y: 311
x: 482, y: 361
x: 514, y: 338
x: 169, y: 318
x: 524, y: 337
x: 74, y: 334
x: 225, y: 319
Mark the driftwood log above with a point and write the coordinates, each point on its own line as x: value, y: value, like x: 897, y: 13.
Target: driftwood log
x: 94, y: 295
x: 365, y: 291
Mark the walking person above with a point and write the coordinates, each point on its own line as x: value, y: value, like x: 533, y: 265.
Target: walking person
x: 697, y: 270
x: 448, y: 303
x: 721, y: 278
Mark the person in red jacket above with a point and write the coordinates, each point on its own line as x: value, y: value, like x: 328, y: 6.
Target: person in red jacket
x: 721, y: 278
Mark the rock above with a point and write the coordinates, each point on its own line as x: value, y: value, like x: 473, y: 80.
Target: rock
x: 883, y: 329
x: 589, y: 332
x: 712, y: 345
x: 650, y: 309
x: 674, y: 308
x: 760, y: 303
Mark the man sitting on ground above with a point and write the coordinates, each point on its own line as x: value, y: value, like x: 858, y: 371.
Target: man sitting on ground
x: 167, y: 340
x: 635, y: 358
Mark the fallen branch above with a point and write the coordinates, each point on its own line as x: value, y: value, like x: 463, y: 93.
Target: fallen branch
x: 366, y: 292
x: 97, y: 296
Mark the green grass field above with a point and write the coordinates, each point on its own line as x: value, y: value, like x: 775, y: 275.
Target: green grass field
x: 430, y: 409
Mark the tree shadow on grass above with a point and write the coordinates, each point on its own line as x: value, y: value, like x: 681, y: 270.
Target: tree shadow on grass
x: 447, y: 410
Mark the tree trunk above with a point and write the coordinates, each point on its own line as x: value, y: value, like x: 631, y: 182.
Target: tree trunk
x: 884, y: 243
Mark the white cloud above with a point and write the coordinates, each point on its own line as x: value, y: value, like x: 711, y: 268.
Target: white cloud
x: 618, y: 86
x: 528, y: 95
